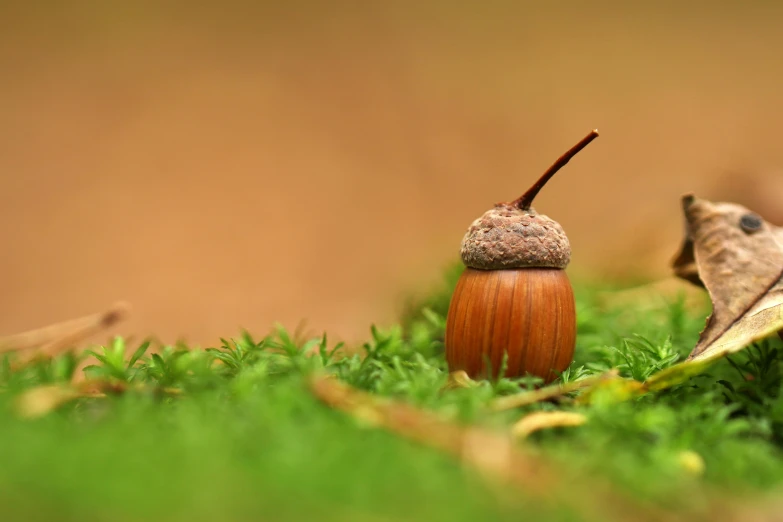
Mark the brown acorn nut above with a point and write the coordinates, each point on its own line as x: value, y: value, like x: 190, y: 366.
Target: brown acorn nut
x: 514, y: 296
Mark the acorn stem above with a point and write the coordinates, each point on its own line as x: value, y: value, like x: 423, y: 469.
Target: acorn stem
x: 526, y: 200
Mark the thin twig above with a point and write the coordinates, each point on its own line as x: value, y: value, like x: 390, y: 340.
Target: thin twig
x: 549, y: 392
x: 50, y: 341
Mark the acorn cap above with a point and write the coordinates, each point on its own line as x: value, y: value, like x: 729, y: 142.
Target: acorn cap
x: 514, y: 235
x: 508, y: 237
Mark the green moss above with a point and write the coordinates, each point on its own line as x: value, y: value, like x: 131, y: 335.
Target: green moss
x: 245, y: 440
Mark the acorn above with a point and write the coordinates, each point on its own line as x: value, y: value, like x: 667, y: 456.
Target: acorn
x: 514, y: 298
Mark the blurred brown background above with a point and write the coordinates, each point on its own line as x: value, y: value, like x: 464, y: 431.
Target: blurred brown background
x: 249, y: 162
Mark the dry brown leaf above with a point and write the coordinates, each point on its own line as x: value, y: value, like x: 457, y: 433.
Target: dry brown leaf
x: 540, y: 420
x: 738, y: 257
x: 56, y: 337
x: 735, y: 254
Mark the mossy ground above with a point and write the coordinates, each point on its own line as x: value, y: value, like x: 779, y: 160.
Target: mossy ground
x: 244, y: 439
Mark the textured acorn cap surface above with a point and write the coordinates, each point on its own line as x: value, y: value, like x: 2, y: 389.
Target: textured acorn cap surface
x: 508, y: 237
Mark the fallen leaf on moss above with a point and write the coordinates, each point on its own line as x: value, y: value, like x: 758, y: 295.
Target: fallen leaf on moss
x: 738, y: 257
x: 541, y: 420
